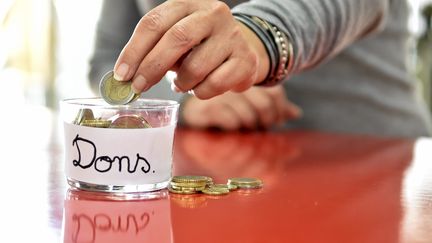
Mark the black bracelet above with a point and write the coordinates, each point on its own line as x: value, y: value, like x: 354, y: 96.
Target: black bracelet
x: 279, y: 48
x: 265, y: 38
x: 285, y: 52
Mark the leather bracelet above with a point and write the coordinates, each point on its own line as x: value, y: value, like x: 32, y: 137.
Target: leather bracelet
x: 285, y: 52
x: 265, y: 38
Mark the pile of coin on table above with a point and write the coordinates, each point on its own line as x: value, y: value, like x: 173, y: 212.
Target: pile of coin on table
x: 85, y: 117
x: 192, y: 184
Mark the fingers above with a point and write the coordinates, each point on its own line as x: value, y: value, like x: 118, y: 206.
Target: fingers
x: 264, y: 106
x: 233, y: 72
x: 223, y: 117
x: 202, y: 60
x: 177, y: 41
x: 284, y: 107
x: 277, y: 94
x: 210, y: 113
x: 147, y: 33
x: 292, y: 111
x: 257, y: 107
x: 200, y: 40
x: 242, y: 108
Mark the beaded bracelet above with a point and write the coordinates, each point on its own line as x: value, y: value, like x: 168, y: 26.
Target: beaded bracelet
x: 285, y: 52
x: 265, y: 38
x: 279, y: 48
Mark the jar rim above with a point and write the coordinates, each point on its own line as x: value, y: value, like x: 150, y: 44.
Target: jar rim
x: 140, y: 104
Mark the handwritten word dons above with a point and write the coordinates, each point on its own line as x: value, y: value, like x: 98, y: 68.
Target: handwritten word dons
x: 105, y: 163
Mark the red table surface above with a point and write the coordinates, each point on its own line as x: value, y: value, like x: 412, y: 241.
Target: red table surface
x: 318, y: 187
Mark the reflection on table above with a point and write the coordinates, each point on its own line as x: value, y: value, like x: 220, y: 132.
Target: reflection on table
x: 318, y: 187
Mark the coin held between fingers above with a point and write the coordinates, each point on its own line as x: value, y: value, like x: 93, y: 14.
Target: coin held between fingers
x: 116, y: 92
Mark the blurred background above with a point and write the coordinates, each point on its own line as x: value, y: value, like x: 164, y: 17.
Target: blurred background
x: 46, y: 45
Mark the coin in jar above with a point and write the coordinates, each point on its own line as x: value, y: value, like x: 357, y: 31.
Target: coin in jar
x: 83, y: 114
x: 96, y: 123
x: 130, y: 121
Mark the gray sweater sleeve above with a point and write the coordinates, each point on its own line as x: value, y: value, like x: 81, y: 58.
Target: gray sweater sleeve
x: 116, y: 24
x: 319, y: 29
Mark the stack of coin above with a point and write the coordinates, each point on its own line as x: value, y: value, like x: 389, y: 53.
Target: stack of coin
x: 188, y: 184
x: 116, y: 92
x: 192, y: 184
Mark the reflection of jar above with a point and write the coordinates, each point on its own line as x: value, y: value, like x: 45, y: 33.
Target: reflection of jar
x: 96, y: 217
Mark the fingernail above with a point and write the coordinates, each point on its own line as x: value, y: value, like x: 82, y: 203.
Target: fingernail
x: 121, y: 72
x: 139, y: 84
x: 135, y: 90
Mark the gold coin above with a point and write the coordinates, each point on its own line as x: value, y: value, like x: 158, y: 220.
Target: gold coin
x: 209, y: 181
x: 246, y: 183
x: 130, y: 121
x: 212, y: 190
x: 223, y: 186
x: 96, y: 123
x: 184, y: 188
x: 170, y: 189
x: 83, y: 114
x: 187, y: 184
x: 230, y: 187
x: 116, y: 92
x: 190, y: 179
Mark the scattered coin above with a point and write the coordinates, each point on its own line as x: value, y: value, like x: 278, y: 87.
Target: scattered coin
x: 130, y: 121
x: 246, y: 183
x: 213, y: 190
x: 116, y: 92
x: 232, y: 187
x: 193, y: 184
x: 225, y: 186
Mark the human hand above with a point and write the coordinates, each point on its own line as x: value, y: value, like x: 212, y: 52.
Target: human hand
x: 211, y: 52
x: 258, y: 107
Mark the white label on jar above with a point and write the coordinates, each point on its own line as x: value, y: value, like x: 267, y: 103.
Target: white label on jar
x: 109, y: 156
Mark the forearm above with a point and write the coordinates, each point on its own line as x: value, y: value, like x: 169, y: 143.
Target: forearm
x: 319, y: 29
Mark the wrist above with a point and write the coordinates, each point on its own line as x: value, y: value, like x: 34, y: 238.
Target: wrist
x: 279, y: 48
x: 260, y: 50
